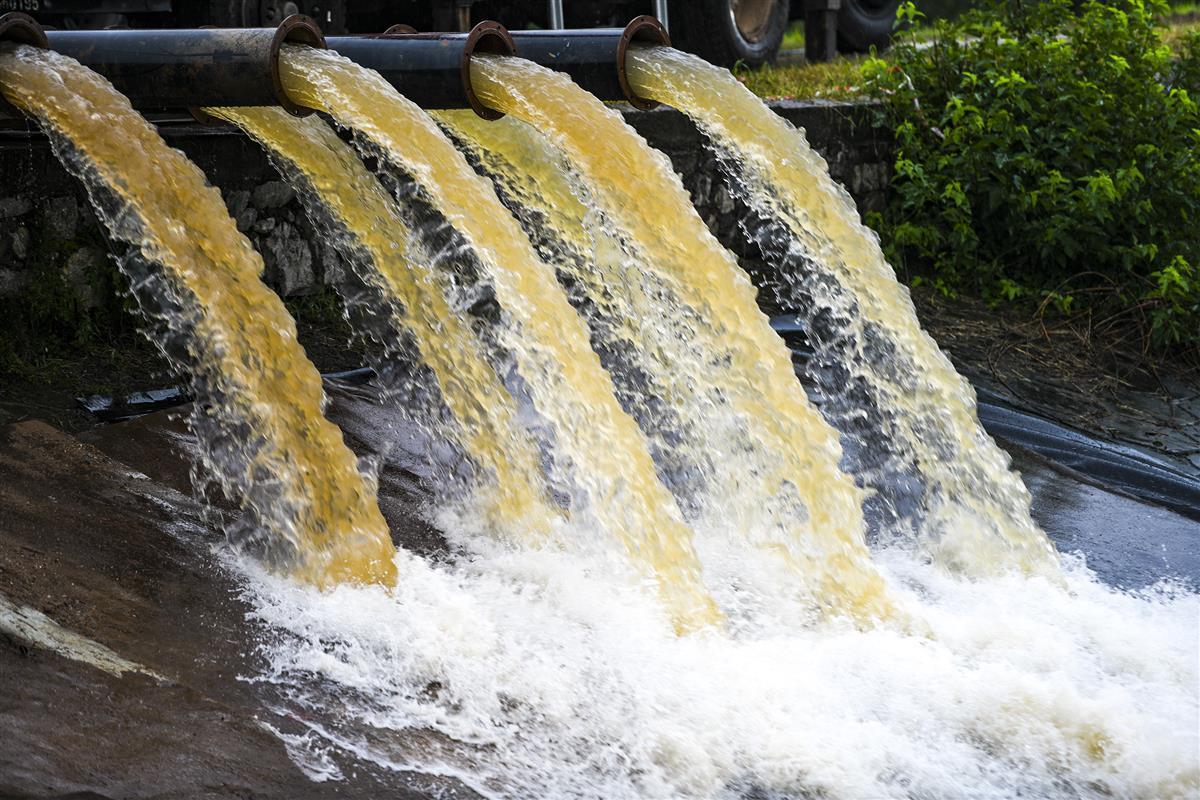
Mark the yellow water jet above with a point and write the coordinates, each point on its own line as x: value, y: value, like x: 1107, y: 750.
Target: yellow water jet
x: 818, y: 525
x: 242, y: 340
x: 610, y: 461
x: 978, y: 508
x: 512, y: 495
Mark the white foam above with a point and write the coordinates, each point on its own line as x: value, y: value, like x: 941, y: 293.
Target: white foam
x: 553, y: 674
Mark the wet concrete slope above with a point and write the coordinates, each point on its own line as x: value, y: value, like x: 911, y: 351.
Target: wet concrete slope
x: 94, y: 554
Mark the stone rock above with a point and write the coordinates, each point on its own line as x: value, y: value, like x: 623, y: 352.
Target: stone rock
x: 724, y: 201
x: 289, y: 261
x: 869, y: 177
x: 701, y: 189
x: 265, y: 225
x: 12, y: 283
x: 15, y: 207
x: 333, y: 268
x: 61, y: 217
x: 114, y: 554
x: 246, y: 219
x: 236, y: 202
x: 82, y: 274
x: 272, y: 194
x: 20, y: 243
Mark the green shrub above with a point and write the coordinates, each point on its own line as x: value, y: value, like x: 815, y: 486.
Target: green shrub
x: 1050, y: 152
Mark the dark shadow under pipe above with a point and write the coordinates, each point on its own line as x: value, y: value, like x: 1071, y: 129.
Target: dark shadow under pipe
x: 594, y: 57
x: 431, y: 69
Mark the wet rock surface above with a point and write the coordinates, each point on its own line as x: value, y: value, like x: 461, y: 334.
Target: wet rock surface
x: 125, y: 559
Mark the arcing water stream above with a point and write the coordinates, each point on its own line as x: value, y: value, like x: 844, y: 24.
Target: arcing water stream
x: 885, y: 378
x: 536, y: 671
x: 258, y: 414
x: 610, y: 463
x: 658, y: 382
x: 817, y: 522
x: 512, y: 496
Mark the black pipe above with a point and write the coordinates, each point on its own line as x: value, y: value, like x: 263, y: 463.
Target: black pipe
x: 431, y: 69
x: 594, y: 58
x: 172, y: 69
x: 161, y: 70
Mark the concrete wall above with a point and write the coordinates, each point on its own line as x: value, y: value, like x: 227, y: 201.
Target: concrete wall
x: 47, y: 225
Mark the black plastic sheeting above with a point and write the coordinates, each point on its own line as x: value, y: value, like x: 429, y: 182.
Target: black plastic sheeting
x: 1114, y: 466
x: 1111, y: 465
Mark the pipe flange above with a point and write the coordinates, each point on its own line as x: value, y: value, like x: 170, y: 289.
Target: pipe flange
x: 400, y: 30
x: 640, y: 29
x: 494, y: 39
x: 296, y: 29
x: 22, y: 29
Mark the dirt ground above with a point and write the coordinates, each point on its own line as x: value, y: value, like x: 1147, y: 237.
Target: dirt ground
x: 1058, y: 372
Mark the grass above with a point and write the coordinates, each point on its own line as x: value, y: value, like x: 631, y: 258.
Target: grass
x: 793, y: 39
x: 1179, y: 28
x: 836, y: 80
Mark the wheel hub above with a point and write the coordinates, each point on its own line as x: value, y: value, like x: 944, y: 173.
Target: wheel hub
x: 751, y: 17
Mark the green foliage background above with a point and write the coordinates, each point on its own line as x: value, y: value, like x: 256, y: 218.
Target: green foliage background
x: 1049, y: 152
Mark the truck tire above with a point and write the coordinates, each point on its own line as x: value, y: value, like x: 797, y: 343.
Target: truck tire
x: 725, y: 32
x: 862, y: 24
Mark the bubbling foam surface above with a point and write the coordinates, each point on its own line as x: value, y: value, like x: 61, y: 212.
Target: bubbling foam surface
x: 551, y: 674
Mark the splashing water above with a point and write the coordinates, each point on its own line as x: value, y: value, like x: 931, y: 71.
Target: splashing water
x: 733, y: 372
x: 258, y: 413
x: 890, y: 388
x: 608, y: 457
x: 552, y: 672
x: 541, y: 676
x: 512, y: 499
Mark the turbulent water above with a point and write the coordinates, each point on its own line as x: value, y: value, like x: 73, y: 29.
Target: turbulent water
x: 730, y: 373
x: 656, y: 382
x: 258, y: 411
x: 609, y: 463
x: 378, y: 242
x: 548, y: 674
x: 889, y: 388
